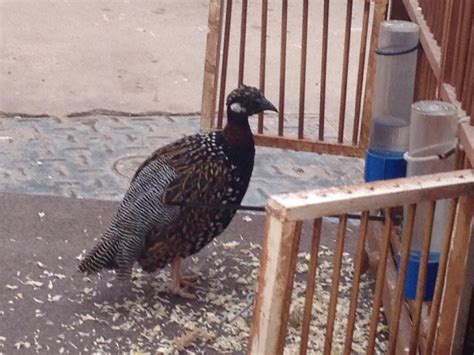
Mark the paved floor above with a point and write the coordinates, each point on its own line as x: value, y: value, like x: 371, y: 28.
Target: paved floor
x: 95, y: 156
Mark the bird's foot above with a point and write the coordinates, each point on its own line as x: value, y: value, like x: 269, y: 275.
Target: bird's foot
x: 180, y: 291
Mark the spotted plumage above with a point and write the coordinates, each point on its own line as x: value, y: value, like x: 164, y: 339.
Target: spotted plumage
x: 173, y: 205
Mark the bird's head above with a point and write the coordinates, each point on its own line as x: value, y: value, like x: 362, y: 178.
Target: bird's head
x: 246, y: 101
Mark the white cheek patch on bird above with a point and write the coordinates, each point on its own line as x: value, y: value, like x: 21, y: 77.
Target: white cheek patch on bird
x: 237, y: 107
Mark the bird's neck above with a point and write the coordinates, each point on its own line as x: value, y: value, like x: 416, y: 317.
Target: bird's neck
x: 237, y: 131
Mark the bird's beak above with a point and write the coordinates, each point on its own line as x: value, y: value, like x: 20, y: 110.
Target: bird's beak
x: 268, y: 106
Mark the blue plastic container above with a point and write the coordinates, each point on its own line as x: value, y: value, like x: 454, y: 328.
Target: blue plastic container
x: 383, y: 165
x: 413, y: 268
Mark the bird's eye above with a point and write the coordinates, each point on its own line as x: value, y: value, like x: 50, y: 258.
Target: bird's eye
x: 237, y: 107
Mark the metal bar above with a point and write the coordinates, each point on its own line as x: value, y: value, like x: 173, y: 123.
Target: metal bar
x: 225, y: 59
x: 345, y: 72
x: 336, y: 276
x: 355, y: 281
x: 243, y: 32
x: 398, y: 299
x: 310, y: 284
x: 379, y: 281
x: 421, y: 284
x: 263, y: 58
x: 304, y: 46
x: 360, y: 72
x: 284, y: 25
x: 324, y: 58
x: 440, y: 278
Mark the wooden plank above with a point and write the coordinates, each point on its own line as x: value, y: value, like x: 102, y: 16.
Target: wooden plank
x: 398, y: 292
x: 421, y: 282
x: 274, y: 286
x: 263, y: 57
x: 454, y: 305
x: 324, y: 60
x: 336, y: 277
x: 466, y: 138
x: 225, y: 59
x: 360, y: 72
x: 380, y: 194
x: 284, y: 33
x: 355, y: 282
x: 310, y: 284
x: 307, y: 145
x: 379, y: 282
x: 243, y: 35
x: 379, y: 16
x: 440, y: 278
x: 211, y: 65
x: 375, y: 231
x: 304, y: 46
x: 345, y: 72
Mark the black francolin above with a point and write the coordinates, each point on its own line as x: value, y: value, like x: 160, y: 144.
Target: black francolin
x: 174, y: 205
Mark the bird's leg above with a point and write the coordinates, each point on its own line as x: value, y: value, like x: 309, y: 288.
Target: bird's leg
x: 178, y: 282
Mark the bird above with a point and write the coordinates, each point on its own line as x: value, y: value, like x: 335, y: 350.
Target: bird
x: 181, y: 197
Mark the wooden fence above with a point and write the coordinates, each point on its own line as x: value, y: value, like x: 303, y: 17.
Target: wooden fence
x: 445, y: 64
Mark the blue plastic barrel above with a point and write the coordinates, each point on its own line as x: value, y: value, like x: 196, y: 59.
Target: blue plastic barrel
x: 383, y: 165
x: 413, y: 268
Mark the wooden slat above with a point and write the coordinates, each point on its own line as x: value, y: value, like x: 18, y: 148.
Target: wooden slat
x: 355, y: 282
x: 360, y: 72
x: 452, y: 308
x: 374, y: 241
x: 281, y: 106
x: 398, y: 299
x: 211, y: 65
x: 466, y: 138
x: 440, y: 278
x: 361, y: 197
x: 243, y: 33
x: 379, y: 282
x: 304, y: 45
x: 263, y: 57
x: 225, y: 59
x: 310, y: 284
x: 324, y: 59
x: 274, y: 286
x: 446, y: 34
x: 379, y: 16
x: 336, y: 276
x: 463, y: 45
x: 422, y: 274
x: 345, y: 73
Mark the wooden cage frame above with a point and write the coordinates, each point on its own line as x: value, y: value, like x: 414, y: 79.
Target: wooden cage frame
x: 216, y: 67
x: 285, y: 214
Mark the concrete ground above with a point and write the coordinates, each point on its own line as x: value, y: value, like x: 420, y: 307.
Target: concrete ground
x: 62, y: 57
x: 46, y: 306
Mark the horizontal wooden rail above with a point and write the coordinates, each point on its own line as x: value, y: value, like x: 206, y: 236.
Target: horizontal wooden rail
x: 383, y: 194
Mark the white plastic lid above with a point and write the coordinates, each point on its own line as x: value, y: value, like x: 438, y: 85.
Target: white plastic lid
x: 434, y: 108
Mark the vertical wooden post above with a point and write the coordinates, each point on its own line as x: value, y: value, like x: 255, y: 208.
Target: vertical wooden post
x: 379, y: 16
x: 211, y: 65
x: 455, y: 304
x: 277, y: 268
